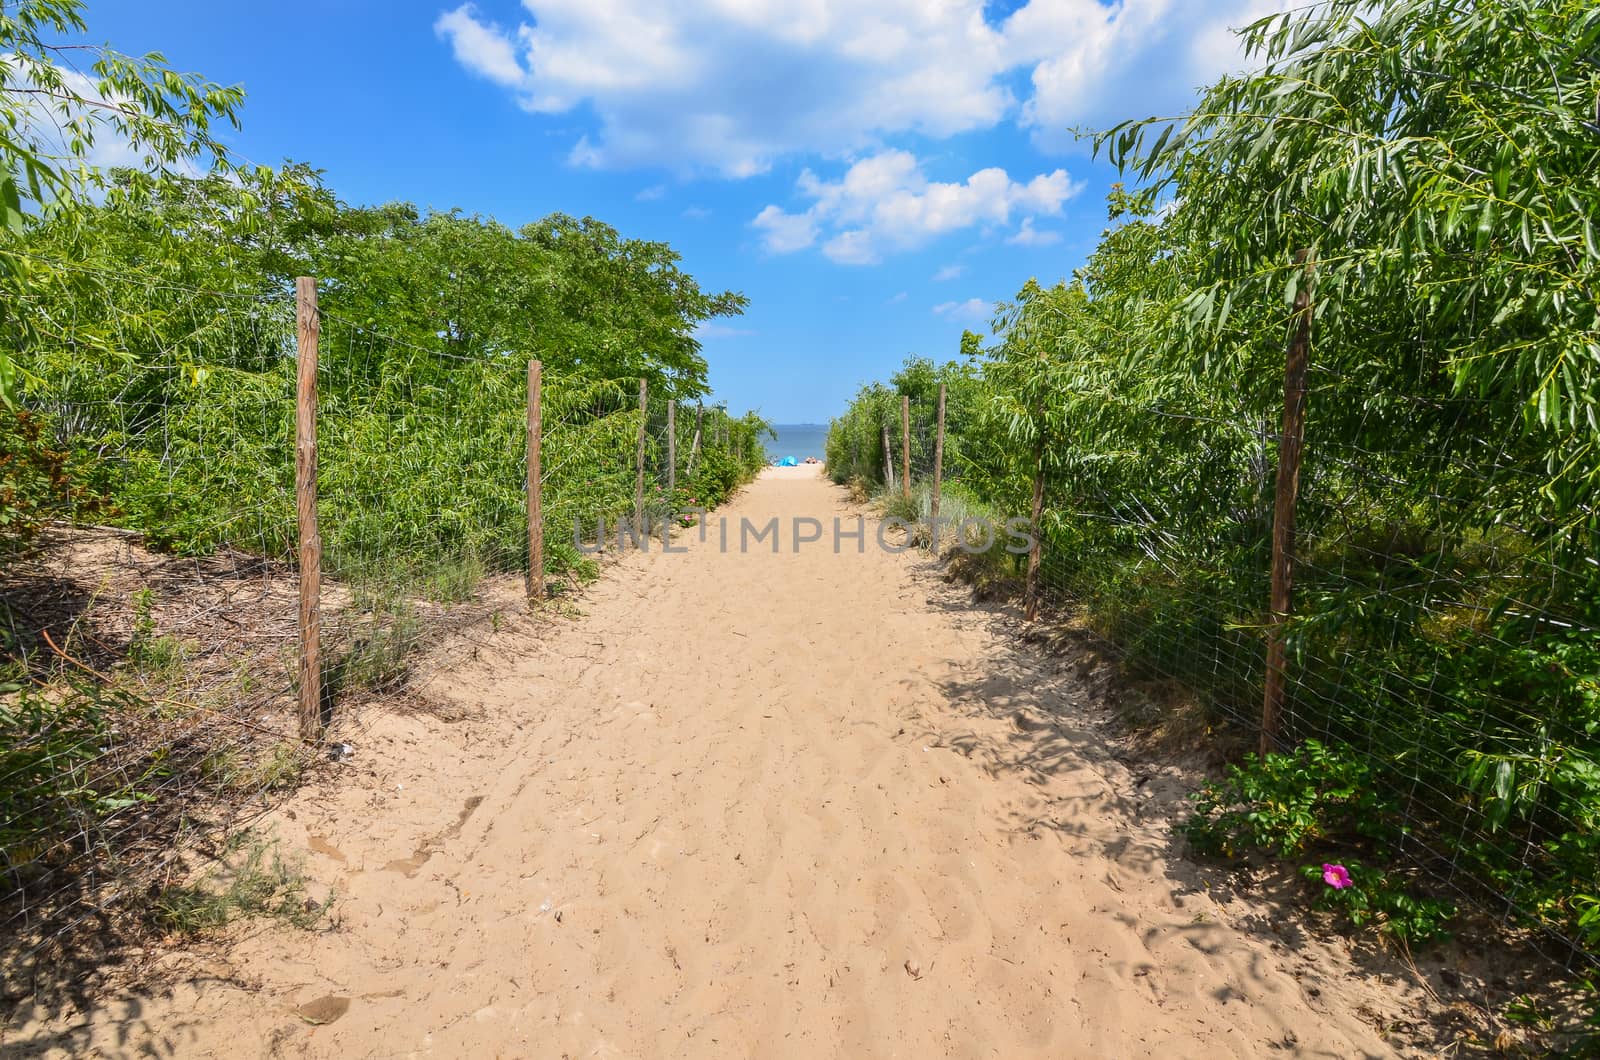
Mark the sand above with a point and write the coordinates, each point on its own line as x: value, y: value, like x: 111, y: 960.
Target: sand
x: 802, y: 804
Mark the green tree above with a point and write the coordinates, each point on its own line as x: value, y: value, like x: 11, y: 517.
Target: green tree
x: 1437, y: 156
x: 58, y: 101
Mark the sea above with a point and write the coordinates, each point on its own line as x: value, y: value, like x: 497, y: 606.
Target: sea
x: 798, y: 440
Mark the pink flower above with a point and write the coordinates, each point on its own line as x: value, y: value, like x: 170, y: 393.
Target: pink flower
x: 1336, y: 876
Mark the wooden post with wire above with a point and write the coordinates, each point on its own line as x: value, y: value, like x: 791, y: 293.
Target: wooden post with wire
x: 938, y: 475
x: 905, y: 446
x: 1291, y: 446
x: 535, y: 491
x: 308, y: 328
x: 638, y: 461
x: 672, y: 451
x: 888, y: 458
x: 1036, y: 546
x: 699, y: 428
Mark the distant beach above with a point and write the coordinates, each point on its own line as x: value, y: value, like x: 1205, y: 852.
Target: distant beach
x: 798, y: 440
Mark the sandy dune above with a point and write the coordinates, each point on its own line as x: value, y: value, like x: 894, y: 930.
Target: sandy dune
x: 792, y: 805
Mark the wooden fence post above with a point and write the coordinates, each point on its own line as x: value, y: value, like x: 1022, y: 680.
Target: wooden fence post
x: 905, y: 446
x: 1036, y: 549
x: 888, y: 459
x: 938, y: 473
x: 638, y: 460
x: 694, y: 447
x: 308, y: 328
x: 1290, y: 447
x: 672, y: 451
x: 535, y: 491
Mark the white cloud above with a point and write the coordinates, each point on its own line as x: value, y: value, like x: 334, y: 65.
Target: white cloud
x: 897, y: 299
x: 652, y: 193
x: 696, y: 213
x: 851, y: 248
x: 732, y: 85
x: 1100, y: 66
x: 1029, y: 236
x: 783, y: 233
x: 955, y: 272
x: 973, y: 310
x: 710, y: 329
x: 481, y: 47
x: 886, y: 203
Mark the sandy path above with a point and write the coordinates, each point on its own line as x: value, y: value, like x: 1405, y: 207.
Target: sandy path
x: 748, y: 805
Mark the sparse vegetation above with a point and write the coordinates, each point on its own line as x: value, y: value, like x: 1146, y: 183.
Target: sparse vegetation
x: 231, y: 769
x: 254, y: 879
x: 155, y: 656
x: 375, y: 656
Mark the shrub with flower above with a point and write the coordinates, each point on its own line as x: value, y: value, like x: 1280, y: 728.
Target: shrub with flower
x: 683, y: 498
x: 1318, y: 800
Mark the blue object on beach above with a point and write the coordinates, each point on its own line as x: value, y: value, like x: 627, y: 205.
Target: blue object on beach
x: 788, y: 461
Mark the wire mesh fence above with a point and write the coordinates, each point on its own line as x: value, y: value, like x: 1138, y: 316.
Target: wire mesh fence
x: 145, y: 669
x: 1442, y: 641
x: 1430, y: 651
x: 152, y: 637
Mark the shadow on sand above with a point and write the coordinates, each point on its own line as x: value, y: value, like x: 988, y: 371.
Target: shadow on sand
x: 1063, y: 704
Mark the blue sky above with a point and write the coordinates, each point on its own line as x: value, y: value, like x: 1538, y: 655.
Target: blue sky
x: 872, y: 174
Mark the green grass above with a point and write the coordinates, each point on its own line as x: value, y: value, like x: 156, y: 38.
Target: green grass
x: 376, y: 655
x: 254, y: 881
x: 455, y: 579
x: 279, y: 769
x: 156, y: 657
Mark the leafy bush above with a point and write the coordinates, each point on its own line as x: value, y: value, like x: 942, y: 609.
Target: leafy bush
x: 54, y: 785
x: 1322, y: 801
x: 36, y: 483
x: 1375, y: 896
x: 177, y: 376
x: 896, y: 505
x: 1287, y: 803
